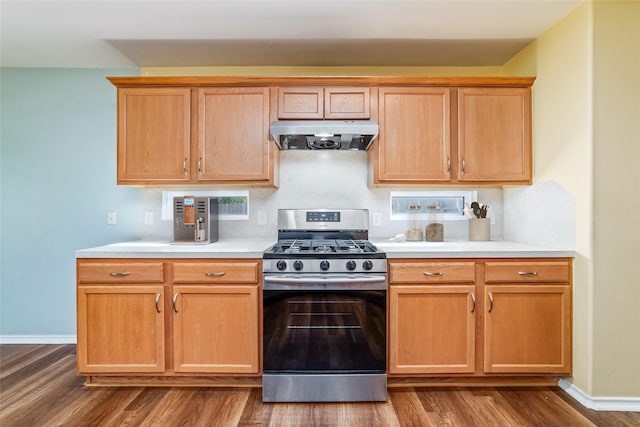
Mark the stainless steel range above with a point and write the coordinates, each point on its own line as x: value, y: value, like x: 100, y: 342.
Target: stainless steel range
x: 324, y: 314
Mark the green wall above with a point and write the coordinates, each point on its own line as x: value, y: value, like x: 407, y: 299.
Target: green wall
x: 58, y: 166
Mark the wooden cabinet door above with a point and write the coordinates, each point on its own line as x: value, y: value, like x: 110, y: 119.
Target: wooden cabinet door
x: 233, y: 135
x: 216, y: 329
x: 431, y: 329
x: 527, y: 329
x: 494, y: 135
x: 337, y: 103
x: 120, y: 329
x: 300, y: 103
x: 154, y: 135
x: 414, y: 141
x: 346, y: 103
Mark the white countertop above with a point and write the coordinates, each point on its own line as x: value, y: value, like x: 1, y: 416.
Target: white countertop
x: 227, y: 248
x: 253, y: 248
x: 468, y: 249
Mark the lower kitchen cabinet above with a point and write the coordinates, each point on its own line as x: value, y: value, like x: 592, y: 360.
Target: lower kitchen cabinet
x: 527, y: 316
x: 524, y: 317
x: 527, y: 329
x: 432, y: 329
x: 216, y: 329
x: 120, y: 329
x: 168, y: 317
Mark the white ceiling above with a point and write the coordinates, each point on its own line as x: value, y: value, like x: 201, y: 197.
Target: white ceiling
x: 139, y: 33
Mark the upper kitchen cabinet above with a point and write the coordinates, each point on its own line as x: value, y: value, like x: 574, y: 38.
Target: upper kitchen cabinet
x: 177, y: 131
x: 153, y: 135
x: 323, y: 103
x: 494, y: 135
x: 413, y: 144
x: 233, y: 136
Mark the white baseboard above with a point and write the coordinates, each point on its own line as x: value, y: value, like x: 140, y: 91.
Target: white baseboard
x: 626, y: 404
x: 38, y: 339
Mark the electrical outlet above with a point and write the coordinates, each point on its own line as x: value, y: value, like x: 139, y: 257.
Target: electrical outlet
x: 111, y: 217
x: 148, y: 217
x: 377, y: 218
x: 262, y: 217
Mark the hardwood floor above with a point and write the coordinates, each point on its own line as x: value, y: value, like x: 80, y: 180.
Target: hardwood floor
x: 39, y: 387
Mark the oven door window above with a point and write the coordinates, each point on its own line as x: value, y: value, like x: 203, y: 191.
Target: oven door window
x: 324, y: 331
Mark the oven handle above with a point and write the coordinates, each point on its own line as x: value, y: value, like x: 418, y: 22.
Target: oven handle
x: 274, y: 283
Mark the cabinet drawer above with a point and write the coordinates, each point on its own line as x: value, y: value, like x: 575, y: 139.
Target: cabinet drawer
x: 120, y: 272
x: 534, y: 271
x: 216, y: 272
x: 431, y: 272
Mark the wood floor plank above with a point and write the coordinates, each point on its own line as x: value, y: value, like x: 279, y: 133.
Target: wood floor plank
x: 40, y: 388
x: 256, y: 413
x: 145, y: 402
x: 34, y: 386
x: 408, y: 407
x: 13, y: 360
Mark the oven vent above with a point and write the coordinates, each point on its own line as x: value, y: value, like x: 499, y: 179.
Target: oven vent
x: 201, y: 206
x: 179, y: 206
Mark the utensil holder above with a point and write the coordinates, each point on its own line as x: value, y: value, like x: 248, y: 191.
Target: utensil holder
x: 479, y: 228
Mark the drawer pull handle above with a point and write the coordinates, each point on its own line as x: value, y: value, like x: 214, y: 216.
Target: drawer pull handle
x: 157, y: 301
x: 430, y: 273
x: 215, y: 274
x: 490, y: 302
x: 175, y: 298
x: 528, y: 273
x: 119, y: 273
x: 473, y: 300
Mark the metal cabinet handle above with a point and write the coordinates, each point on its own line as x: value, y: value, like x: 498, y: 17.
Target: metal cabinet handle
x: 432, y: 273
x: 119, y: 273
x: 473, y: 300
x: 199, y: 164
x: 157, y: 301
x: 463, y: 166
x: 490, y: 302
x: 448, y: 164
x: 175, y: 297
x: 528, y: 273
x: 184, y: 166
x: 215, y: 274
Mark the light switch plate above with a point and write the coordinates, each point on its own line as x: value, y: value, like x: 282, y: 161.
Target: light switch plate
x: 111, y: 217
x: 148, y: 217
x: 262, y: 217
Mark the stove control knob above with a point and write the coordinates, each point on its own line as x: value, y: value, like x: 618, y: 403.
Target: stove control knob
x: 367, y: 265
x: 324, y: 265
x: 281, y: 265
x: 297, y: 265
x: 351, y: 265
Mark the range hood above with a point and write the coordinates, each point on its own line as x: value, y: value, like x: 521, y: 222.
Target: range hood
x: 324, y: 134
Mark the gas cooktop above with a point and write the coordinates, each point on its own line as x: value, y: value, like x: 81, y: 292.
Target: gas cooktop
x: 319, y: 247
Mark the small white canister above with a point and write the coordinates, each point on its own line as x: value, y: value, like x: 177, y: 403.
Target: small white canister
x: 479, y: 228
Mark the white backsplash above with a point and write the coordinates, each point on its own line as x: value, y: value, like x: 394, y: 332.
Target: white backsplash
x: 323, y: 179
x: 540, y: 214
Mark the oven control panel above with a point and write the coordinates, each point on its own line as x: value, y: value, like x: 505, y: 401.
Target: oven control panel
x: 323, y: 216
x: 334, y: 265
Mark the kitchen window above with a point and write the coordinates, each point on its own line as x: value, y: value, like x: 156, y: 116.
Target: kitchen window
x: 450, y: 205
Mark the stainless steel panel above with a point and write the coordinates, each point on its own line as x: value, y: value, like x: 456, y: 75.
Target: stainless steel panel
x: 336, y: 265
x: 325, y: 282
x: 324, y: 134
x: 296, y: 219
x: 324, y: 388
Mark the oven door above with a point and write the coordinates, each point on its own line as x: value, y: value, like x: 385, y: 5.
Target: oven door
x: 324, y: 324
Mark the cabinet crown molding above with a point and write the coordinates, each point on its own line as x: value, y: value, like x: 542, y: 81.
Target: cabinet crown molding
x: 200, y: 81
